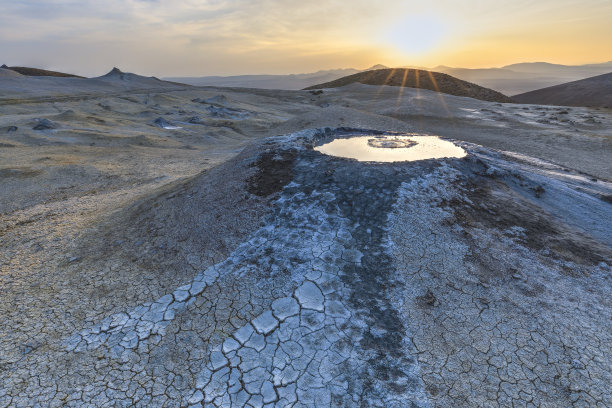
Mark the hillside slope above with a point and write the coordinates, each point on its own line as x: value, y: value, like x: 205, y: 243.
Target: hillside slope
x: 415, y: 78
x: 27, y: 71
x: 595, y: 91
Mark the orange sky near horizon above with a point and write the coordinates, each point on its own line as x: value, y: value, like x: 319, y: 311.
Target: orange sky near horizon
x: 216, y: 37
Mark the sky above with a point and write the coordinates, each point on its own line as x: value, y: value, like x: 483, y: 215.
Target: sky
x: 214, y: 37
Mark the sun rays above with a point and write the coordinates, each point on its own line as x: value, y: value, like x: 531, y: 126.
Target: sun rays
x: 401, y: 90
x: 401, y: 78
x: 440, y: 94
x: 385, y: 82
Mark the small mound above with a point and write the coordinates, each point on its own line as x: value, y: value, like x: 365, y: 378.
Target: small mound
x: 164, y: 124
x: 116, y: 73
x: 226, y: 113
x: 215, y: 100
x: 44, y: 124
x: 421, y: 79
x: 218, y: 100
x: 68, y: 115
x: 27, y: 71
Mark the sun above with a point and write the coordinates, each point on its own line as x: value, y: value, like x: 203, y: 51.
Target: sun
x: 415, y: 35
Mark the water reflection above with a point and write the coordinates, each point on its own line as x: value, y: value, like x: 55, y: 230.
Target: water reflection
x: 376, y: 148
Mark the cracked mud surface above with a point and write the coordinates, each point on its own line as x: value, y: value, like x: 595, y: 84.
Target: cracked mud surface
x: 497, y: 320
x: 143, y: 266
x: 434, y: 283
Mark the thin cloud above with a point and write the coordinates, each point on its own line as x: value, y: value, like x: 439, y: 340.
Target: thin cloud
x: 170, y: 37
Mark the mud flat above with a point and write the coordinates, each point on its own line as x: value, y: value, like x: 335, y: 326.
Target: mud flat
x: 229, y: 263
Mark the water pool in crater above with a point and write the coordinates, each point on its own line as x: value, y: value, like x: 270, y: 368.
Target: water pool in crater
x: 391, y: 148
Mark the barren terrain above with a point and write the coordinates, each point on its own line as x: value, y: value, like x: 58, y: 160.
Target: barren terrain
x: 167, y: 245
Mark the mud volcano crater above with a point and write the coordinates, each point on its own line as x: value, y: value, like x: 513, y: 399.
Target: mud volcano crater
x: 390, y: 147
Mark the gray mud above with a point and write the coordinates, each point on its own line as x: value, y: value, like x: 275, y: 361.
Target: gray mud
x: 354, y: 284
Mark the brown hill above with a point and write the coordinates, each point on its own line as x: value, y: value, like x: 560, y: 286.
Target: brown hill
x: 595, y: 91
x: 40, y: 72
x: 417, y: 78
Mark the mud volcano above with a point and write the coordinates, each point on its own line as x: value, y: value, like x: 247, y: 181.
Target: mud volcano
x: 404, y: 283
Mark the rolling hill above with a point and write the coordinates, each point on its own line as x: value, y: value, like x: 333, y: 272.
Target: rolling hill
x: 595, y: 92
x: 416, y: 78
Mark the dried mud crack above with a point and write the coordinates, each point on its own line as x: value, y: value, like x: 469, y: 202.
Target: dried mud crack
x: 351, y: 284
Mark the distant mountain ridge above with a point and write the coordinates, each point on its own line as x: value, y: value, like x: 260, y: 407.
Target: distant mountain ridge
x: 528, y: 76
x: 510, y: 80
x: 514, y: 79
x: 418, y: 78
x: 288, y: 82
x: 547, y: 67
x: 594, y: 92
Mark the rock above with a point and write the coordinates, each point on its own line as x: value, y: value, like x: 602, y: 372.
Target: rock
x: 244, y: 333
x: 182, y: 293
x: 257, y: 342
x: 285, y: 307
x: 218, y: 360
x: 265, y: 323
x: 217, y: 99
x: 197, y: 287
x: 196, y: 397
x: 44, y: 124
x: 163, y: 123
x: 230, y: 345
x: 429, y: 298
x: 268, y: 392
x: 538, y: 190
x: 310, y: 297
x: 12, y: 129
x: 118, y: 319
x: 226, y: 113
